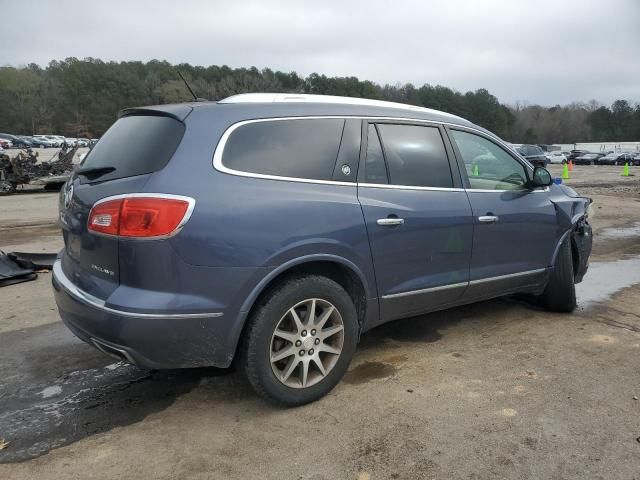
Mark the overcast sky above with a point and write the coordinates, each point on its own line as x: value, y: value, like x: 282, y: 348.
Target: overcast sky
x: 538, y: 51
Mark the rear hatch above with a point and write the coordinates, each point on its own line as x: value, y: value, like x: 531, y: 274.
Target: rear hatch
x: 133, y: 148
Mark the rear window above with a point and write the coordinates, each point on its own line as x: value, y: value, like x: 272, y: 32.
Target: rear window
x: 536, y: 150
x: 305, y: 148
x: 136, y: 145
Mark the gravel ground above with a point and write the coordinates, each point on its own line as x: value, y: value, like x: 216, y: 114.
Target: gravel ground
x: 499, y: 389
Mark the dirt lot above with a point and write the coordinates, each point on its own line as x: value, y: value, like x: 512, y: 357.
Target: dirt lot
x: 499, y: 389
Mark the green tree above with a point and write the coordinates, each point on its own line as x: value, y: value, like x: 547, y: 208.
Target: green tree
x: 82, y: 97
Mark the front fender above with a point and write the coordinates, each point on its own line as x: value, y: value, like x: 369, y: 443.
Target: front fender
x: 573, y: 219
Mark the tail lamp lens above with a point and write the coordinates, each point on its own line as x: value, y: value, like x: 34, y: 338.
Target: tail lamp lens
x: 138, y: 217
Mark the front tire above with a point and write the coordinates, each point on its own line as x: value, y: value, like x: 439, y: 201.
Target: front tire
x: 560, y: 293
x: 300, y: 340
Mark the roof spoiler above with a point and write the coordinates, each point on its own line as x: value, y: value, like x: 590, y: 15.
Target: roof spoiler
x: 179, y: 111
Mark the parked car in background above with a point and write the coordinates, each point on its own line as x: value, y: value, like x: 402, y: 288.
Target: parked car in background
x: 616, y: 159
x: 577, y: 153
x: 534, y: 154
x: 636, y: 159
x: 59, y: 139
x: 438, y: 212
x: 556, y: 156
x: 588, y: 159
x: 16, y: 141
x: 70, y: 141
x: 83, y: 142
x: 42, y: 141
x: 31, y: 143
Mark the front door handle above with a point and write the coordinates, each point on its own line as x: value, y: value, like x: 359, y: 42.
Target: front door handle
x: 488, y: 218
x: 388, y: 222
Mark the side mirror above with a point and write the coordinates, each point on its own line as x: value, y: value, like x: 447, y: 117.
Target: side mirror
x: 541, y: 177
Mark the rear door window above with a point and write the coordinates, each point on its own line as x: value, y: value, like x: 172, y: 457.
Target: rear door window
x: 136, y: 145
x: 415, y: 156
x: 304, y: 148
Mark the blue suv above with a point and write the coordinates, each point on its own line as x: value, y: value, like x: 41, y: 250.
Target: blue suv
x: 276, y: 228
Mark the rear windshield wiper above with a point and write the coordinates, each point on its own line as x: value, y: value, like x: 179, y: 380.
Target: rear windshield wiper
x: 94, y: 172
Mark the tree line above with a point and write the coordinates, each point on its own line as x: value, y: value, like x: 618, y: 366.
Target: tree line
x: 81, y: 98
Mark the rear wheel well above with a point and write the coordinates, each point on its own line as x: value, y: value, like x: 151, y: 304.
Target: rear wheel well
x: 342, y: 275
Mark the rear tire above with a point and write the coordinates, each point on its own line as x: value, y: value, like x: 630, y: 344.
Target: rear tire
x: 289, y: 368
x: 560, y: 293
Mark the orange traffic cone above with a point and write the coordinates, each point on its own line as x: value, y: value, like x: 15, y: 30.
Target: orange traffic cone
x: 570, y: 165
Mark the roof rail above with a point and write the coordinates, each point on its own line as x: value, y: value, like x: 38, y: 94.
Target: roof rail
x: 307, y: 98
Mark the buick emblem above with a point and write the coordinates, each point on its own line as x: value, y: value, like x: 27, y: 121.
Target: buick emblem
x: 68, y: 195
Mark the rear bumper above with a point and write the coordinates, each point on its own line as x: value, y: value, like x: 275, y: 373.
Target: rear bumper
x: 155, y: 341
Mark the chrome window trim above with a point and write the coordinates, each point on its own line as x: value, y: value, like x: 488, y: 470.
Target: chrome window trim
x: 170, y: 196
x: 510, y: 149
x: 87, y: 298
x: 463, y: 284
x: 410, y: 187
x: 219, y: 150
x: 217, y: 155
x: 480, y: 190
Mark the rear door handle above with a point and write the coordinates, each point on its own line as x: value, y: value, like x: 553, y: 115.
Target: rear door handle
x: 388, y: 222
x: 488, y: 218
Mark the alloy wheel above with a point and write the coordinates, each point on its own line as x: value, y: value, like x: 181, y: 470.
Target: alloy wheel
x: 306, y: 343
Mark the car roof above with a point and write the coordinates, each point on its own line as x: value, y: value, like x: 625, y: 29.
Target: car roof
x: 272, y: 105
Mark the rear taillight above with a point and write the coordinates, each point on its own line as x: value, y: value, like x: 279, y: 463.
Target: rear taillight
x: 140, y: 216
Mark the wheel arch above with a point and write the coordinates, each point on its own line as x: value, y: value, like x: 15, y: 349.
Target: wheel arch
x: 342, y: 271
x: 575, y: 254
x: 331, y: 266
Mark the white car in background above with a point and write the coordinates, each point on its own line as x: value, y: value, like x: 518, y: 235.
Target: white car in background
x: 556, y: 156
x: 56, y: 139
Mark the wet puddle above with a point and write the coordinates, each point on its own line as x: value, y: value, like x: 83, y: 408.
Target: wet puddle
x: 55, y: 390
x: 619, y: 233
x: 368, y: 371
x: 606, y: 278
x: 83, y: 403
